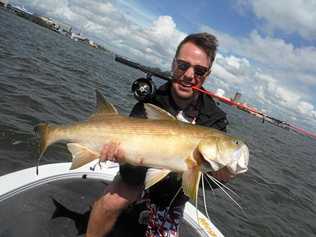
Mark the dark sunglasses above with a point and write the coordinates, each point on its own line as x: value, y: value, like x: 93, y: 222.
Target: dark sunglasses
x: 199, y: 71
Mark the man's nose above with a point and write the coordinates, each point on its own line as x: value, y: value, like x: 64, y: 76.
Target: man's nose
x: 189, y: 72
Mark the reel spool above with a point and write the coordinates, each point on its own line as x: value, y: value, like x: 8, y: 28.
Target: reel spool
x: 144, y: 89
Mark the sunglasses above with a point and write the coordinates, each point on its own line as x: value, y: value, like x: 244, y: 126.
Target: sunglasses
x: 199, y: 71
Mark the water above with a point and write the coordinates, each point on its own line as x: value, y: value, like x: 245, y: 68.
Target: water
x: 47, y: 77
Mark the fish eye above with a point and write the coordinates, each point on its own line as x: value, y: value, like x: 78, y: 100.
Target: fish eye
x: 236, y: 142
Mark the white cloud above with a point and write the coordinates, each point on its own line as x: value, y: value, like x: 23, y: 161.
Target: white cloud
x: 306, y: 108
x: 290, y: 16
x: 268, y: 51
x: 280, y: 73
x: 268, y: 71
x: 106, y: 23
x: 220, y: 72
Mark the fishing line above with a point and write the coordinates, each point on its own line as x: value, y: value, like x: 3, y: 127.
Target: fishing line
x: 172, y: 200
x: 208, y: 182
x: 217, y: 182
x: 225, y: 186
x: 204, y: 200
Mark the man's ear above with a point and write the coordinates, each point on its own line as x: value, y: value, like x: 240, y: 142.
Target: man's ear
x: 173, y: 66
x: 208, y: 73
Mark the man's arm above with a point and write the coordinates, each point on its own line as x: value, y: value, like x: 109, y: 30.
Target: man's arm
x: 124, y: 190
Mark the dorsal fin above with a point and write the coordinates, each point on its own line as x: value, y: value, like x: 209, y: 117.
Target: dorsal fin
x: 154, y: 112
x: 104, y: 107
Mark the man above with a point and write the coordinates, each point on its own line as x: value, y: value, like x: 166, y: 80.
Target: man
x: 191, y: 66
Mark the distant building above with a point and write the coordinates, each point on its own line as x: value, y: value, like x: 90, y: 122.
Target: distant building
x: 56, y: 25
x: 49, y: 22
x: 78, y: 37
x: 3, y: 3
x: 92, y: 44
x: 220, y: 92
x: 63, y: 28
x: 23, y: 10
x: 237, y: 97
x: 20, y: 11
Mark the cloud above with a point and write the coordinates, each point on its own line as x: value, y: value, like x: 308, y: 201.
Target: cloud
x: 295, y: 16
x: 107, y: 24
x: 267, y: 51
x: 294, y: 68
x: 306, y: 108
x: 260, y: 88
x: 270, y: 73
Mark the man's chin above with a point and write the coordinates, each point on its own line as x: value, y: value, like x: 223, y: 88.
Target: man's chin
x: 184, y: 93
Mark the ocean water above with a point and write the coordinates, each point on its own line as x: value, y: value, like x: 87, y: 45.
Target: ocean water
x: 47, y: 77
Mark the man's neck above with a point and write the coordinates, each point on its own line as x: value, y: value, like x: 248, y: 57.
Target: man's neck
x: 181, y: 102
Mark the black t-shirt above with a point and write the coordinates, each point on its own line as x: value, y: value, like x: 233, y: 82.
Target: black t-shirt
x: 206, y: 112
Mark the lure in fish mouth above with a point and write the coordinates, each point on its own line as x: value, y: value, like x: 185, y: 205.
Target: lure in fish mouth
x: 161, y: 143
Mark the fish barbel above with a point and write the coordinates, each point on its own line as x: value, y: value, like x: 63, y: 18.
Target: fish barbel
x: 160, y: 142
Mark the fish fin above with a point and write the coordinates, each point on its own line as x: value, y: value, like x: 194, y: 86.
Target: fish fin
x: 42, y: 130
x: 104, y: 107
x: 153, y: 176
x: 154, y: 112
x: 81, y: 155
x: 190, y: 182
x: 60, y: 210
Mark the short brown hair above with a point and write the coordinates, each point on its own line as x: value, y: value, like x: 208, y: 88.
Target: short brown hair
x: 205, y: 41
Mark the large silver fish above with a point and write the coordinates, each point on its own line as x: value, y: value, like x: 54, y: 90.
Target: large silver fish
x: 160, y: 142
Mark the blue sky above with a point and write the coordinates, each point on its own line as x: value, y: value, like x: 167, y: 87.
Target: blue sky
x: 267, y: 48
x: 189, y: 15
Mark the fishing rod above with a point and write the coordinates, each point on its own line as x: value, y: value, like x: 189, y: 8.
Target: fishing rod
x: 265, y: 117
x: 144, y: 89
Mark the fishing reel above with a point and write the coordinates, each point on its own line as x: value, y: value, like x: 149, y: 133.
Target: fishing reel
x: 144, y: 89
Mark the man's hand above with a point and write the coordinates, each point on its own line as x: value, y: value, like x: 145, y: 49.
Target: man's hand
x: 223, y: 175
x: 112, y: 152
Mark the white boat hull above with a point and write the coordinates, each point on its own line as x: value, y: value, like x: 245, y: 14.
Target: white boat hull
x: 17, y: 182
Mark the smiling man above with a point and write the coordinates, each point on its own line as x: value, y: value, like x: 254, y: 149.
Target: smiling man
x: 161, y: 207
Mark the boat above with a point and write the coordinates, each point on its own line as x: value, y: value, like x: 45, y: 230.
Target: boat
x: 57, y: 200
x: 52, y: 200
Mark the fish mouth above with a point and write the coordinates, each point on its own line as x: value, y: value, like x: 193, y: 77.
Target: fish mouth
x: 239, y: 160
x: 236, y: 163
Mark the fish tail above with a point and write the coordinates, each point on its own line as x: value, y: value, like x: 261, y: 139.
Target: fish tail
x: 42, y: 130
x: 58, y: 210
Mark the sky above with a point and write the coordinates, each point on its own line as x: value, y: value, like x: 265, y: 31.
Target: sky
x: 267, y: 49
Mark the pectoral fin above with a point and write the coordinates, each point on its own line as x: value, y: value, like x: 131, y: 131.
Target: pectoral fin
x: 190, y: 182
x: 81, y: 155
x: 153, y: 176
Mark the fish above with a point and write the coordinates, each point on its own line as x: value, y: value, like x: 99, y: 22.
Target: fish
x: 161, y: 142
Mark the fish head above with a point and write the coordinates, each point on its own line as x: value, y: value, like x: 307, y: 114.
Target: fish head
x: 223, y: 151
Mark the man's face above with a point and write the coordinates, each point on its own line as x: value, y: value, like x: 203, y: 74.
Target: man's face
x: 187, y: 67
